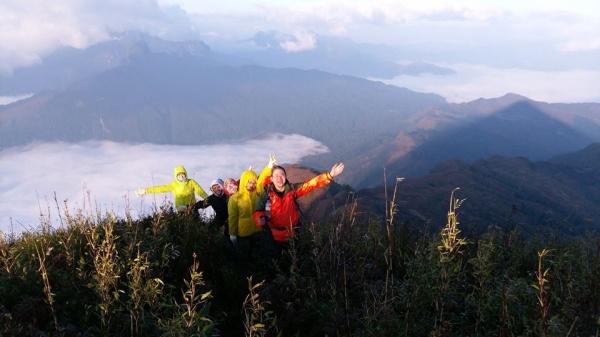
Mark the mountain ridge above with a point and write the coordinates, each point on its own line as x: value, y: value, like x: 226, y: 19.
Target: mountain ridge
x: 503, y: 191
x: 522, y: 128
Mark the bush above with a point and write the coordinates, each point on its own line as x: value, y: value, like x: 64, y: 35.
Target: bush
x: 172, y: 275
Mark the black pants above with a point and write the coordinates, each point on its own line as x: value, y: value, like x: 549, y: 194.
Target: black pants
x: 247, y: 251
x: 281, y: 254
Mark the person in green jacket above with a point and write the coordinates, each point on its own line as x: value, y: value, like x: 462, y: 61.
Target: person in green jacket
x: 184, y: 189
x: 243, y: 231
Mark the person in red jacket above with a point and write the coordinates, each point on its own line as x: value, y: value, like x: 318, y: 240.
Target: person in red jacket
x: 284, y: 217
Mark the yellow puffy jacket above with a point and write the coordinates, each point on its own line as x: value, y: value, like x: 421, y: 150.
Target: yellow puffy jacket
x: 184, y: 192
x: 242, y: 204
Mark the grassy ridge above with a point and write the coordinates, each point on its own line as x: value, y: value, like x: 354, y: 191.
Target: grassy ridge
x: 173, y: 275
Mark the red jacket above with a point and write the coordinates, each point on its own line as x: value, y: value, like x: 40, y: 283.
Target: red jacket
x: 285, y: 215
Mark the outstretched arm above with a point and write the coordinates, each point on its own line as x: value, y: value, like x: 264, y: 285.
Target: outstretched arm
x: 264, y: 176
x: 204, y: 203
x: 320, y: 181
x: 159, y: 189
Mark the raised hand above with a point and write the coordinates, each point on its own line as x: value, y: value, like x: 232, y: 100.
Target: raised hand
x: 272, y: 160
x: 140, y: 191
x: 336, y: 169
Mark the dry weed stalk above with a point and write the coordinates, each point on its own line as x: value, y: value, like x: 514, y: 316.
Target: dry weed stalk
x: 191, y: 298
x: 42, y: 251
x: 257, y: 320
x: 391, y: 210
x: 79, y: 222
x: 483, y: 268
x: 157, y: 223
x: 68, y: 234
x: 449, y: 251
x: 541, y: 286
x: 136, y: 277
x: 106, y: 266
x: 190, y: 317
x: 8, y: 257
x: 451, y: 242
x: 505, y: 320
x: 132, y: 226
x: 374, y: 309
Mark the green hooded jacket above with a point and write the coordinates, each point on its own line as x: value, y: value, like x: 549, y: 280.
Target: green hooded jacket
x: 242, y: 204
x: 184, y: 192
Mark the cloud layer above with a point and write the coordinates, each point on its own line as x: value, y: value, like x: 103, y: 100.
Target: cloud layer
x: 301, y: 41
x: 463, y: 23
x: 470, y: 82
x: 110, y: 172
x: 31, y: 28
x: 460, y: 29
x: 5, y: 100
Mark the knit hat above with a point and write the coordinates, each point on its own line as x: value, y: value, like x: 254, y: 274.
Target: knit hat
x: 217, y: 182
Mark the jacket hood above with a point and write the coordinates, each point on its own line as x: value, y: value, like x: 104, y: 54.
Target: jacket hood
x: 179, y: 169
x: 244, y: 178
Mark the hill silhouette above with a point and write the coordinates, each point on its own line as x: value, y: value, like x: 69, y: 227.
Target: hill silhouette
x: 520, y: 129
x: 560, y: 195
x: 67, y: 65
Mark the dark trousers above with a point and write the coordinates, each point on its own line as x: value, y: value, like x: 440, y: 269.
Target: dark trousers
x: 280, y: 254
x: 247, y: 251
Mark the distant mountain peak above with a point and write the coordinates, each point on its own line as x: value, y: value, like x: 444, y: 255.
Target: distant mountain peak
x: 522, y: 109
x: 506, y: 99
x: 158, y: 45
x: 514, y: 97
x: 68, y: 65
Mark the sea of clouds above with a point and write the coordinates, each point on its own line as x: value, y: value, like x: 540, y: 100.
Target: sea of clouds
x: 470, y: 82
x: 103, y: 176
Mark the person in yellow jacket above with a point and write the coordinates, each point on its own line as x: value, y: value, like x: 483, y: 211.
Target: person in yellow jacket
x: 241, y: 207
x: 184, y: 189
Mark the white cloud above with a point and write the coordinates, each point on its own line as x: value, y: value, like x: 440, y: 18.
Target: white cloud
x: 581, y: 45
x: 337, y: 13
x: 497, y: 33
x: 110, y: 172
x: 29, y: 29
x: 301, y: 41
x: 475, y: 81
x: 524, y: 37
x: 336, y: 16
x: 4, y: 100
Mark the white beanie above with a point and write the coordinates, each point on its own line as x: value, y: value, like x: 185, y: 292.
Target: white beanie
x: 216, y: 182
